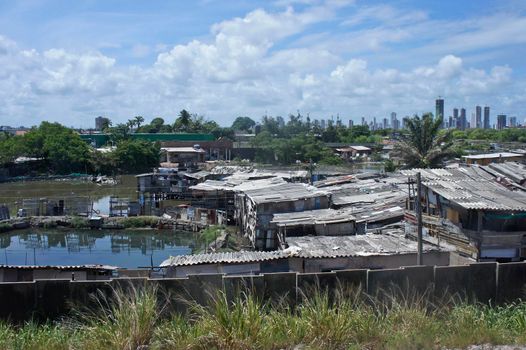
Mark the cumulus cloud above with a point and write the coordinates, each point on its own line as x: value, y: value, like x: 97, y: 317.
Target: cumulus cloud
x: 243, y: 68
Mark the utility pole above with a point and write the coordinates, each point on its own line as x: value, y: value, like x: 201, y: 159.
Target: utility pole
x: 418, y: 207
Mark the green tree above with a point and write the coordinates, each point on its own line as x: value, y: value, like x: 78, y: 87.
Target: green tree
x: 60, y: 146
x: 138, y: 121
x: 184, y: 122
x: 243, y: 124
x: 135, y: 156
x: 422, y: 144
x: 11, y: 147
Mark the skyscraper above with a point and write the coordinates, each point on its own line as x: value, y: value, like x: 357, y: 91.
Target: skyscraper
x: 501, y: 121
x: 486, y: 118
x: 351, y: 123
x: 478, y: 116
x: 463, y: 121
x: 513, y: 122
x: 439, y: 108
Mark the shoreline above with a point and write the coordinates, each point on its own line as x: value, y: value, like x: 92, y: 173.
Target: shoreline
x: 107, y: 223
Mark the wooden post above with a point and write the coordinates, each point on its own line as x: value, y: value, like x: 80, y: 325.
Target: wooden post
x: 419, y: 218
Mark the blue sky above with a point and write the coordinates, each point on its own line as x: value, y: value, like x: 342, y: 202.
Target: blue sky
x: 70, y: 61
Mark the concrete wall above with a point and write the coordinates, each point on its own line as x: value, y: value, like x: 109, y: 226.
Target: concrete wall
x: 483, y: 282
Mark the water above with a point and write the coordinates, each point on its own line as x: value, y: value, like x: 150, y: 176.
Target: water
x: 129, y: 249
x: 13, y: 192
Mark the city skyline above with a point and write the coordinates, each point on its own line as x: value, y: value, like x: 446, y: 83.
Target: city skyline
x: 335, y: 57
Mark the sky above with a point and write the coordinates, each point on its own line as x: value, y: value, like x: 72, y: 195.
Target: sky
x: 71, y: 61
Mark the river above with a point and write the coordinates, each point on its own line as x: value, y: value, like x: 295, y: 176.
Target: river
x: 13, y: 192
x: 126, y: 248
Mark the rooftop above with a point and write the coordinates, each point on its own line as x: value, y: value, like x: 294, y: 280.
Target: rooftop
x: 348, y: 246
x: 471, y: 188
x: 283, y: 192
x: 310, y: 247
x: 222, y: 258
x: 493, y: 155
x: 183, y: 150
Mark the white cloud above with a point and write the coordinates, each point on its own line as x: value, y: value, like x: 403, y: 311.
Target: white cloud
x: 245, y: 68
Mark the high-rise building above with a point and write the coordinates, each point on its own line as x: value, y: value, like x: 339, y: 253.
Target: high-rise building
x: 322, y: 124
x: 513, y: 122
x: 351, y: 123
x: 363, y: 121
x: 439, y: 108
x: 501, y: 121
x: 385, y: 123
x: 451, y: 124
x: 478, y: 116
x: 101, y: 123
x: 394, y: 121
x: 463, y: 120
x: 486, y: 118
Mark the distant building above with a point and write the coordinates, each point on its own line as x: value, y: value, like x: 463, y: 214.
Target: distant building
x: 487, y: 125
x: 501, y: 121
x: 439, y: 109
x: 351, y: 123
x: 451, y: 122
x: 385, y: 123
x: 101, y: 122
x: 486, y: 159
x: 513, y: 122
x: 463, y: 120
x: 322, y: 124
x: 395, y: 124
x: 478, y: 116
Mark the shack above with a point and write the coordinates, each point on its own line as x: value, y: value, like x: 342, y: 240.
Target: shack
x: 231, y: 263
x: 372, y: 251
x: 256, y: 206
x: 185, y: 157
x: 485, y: 159
x: 351, y: 152
x: 311, y: 254
x: 469, y: 208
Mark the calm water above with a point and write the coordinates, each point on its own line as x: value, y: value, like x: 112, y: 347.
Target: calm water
x: 13, y: 192
x: 129, y: 249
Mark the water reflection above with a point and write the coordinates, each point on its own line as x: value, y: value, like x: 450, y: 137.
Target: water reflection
x: 124, y: 248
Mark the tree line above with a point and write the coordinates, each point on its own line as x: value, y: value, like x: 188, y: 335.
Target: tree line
x: 60, y: 150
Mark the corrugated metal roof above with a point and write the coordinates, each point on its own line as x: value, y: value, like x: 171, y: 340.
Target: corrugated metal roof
x: 310, y: 247
x: 471, y: 188
x: 348, y: 246
x: 493, y: 155
x: 313, y: 217
x: 222, y: 258
x: 284, y: 192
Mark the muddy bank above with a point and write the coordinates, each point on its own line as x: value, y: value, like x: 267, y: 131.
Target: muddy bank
x: 77, y: 222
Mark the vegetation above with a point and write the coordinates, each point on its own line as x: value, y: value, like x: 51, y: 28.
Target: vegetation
x: 423, y: 145
x: 143, y: 317
x: 139, y: 221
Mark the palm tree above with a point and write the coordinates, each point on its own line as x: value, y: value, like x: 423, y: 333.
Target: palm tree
x: 423, y: 145
x: 138, y: 121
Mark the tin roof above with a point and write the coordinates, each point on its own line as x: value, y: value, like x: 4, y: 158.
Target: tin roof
x: 493, y: 155
x: 310, y: 247
x: 283, y: 192
x: 348, y: 246
x: 222, y: 258
x: 471, y: 188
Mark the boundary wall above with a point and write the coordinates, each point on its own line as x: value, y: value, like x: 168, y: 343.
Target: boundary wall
x: 490, y: 282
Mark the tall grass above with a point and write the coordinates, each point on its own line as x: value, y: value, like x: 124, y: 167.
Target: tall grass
x: 140, y: 317
x: 125, y: 319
